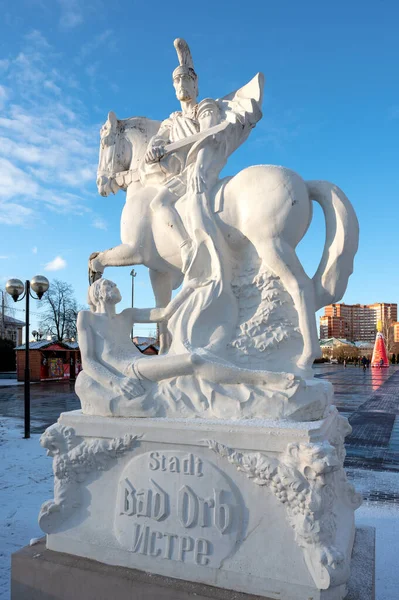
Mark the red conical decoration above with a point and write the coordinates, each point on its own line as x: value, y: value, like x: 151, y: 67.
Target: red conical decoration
x: 379, y: 352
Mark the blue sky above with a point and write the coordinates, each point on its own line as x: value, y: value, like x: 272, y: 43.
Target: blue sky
x: 331, y: 111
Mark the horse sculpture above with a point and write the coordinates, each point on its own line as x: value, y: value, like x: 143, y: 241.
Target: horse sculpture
x: 265, y: 209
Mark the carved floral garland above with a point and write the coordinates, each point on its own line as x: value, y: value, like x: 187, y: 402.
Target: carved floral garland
x: 305, y: 479
x: 73, y: 461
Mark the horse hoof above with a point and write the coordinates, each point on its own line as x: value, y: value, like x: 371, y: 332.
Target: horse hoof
x: 94, y: 276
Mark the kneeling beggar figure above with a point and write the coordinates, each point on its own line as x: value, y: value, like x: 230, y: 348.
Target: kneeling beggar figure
x: 240, y: 337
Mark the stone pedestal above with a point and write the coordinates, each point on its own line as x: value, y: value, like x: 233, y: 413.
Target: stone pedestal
x: 253, y: 506
x: 41, y: 574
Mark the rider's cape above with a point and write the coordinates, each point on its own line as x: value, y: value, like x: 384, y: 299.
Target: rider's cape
x: 241, y: 109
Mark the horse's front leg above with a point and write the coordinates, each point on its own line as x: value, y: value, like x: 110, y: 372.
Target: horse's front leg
x: 162, y: 286
x: 123, y: 255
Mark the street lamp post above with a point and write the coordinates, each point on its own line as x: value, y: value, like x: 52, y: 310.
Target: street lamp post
x: 3, y: 326
x: 16, y: 288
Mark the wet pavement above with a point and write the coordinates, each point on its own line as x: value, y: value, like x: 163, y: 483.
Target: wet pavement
x: 370, y: 400
x: 48, y: 400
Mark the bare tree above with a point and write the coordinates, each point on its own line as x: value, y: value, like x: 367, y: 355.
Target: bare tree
x: 341, y: 352
x: 388, y: 333
x: 345, y: 352
x: 60, y: 310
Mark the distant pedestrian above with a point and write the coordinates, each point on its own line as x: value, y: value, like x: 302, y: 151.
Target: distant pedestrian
x: 381, y: 363
x: 364, y: 363
x: 345, y: 363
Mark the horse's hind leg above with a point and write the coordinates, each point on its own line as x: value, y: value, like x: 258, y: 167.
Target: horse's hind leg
x: 123, y: 255
x: 283, y: 261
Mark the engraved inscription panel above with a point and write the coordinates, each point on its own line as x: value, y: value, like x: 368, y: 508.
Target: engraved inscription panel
x: 175, y: 505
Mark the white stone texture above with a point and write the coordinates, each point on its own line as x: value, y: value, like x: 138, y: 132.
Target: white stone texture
x: 263, y: 507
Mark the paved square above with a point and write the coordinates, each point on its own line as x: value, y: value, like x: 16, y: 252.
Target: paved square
x: 370, y: 400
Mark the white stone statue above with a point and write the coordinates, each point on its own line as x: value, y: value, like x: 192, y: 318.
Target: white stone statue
x: 235, y: 476
x: 242, y: 231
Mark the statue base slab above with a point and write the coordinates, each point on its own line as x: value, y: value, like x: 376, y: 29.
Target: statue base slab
x: 255, y: 506
x: 38, y: 573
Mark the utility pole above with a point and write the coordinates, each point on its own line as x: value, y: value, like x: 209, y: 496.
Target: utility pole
x: 133, y: 274
x: 3, y: 310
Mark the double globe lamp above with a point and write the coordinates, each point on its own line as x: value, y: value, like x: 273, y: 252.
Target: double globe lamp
x: 16, y: 288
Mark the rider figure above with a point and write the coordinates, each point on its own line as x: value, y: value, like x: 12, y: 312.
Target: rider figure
x: 181, y: 171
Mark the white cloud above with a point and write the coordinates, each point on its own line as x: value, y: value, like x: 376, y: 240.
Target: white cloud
x: 15, y: 182
x: 4, y: 257
x: 71, y: 13
x: 34, y: 250
x: 24, y: 152
x: 64, y: 203
x: 92, y: 69
x: 15, y: 214
x: 4, y: 64
x: 65, y: 111
x: 50, y: 85
x: 56, y: 264
x: 96, y: 42
x: 36, y: 38
x: 99, y: 223
x: 48, y: 154
x: 3, y: 96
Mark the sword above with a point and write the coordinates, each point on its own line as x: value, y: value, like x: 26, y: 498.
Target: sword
x: 124, y: 178
x: 191, y: 139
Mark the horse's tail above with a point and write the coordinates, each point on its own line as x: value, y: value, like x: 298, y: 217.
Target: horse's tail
x: 342, y: 238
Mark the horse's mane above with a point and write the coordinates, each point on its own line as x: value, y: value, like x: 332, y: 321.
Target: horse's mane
x: 138, y: 131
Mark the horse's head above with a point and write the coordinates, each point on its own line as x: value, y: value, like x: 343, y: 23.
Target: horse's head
x: 109, y: 130
x: 122, y: 146
x: 111, y: 159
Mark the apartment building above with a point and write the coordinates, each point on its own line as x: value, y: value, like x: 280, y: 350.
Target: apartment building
x: 356, y: 322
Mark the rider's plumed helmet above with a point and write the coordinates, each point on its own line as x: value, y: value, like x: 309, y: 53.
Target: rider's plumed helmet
x: 186, y: 64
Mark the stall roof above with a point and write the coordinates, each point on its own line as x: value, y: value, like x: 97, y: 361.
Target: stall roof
x: 143, y: 343
x: 364, y: 344
x: 335, y: 342
x: 143, y: 347
x: 43, y: 344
